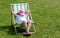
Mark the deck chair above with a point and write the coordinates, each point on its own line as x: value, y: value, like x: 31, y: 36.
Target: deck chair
x: 16, y: 8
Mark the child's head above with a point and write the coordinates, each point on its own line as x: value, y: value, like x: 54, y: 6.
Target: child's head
x: 22, y: 12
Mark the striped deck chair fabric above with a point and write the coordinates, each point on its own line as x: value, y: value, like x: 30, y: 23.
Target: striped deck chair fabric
x: 16, y: 7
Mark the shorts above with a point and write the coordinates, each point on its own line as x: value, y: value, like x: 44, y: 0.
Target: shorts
x: 20, y: 19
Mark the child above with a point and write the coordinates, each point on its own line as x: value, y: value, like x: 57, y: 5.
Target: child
x: 21, y: 17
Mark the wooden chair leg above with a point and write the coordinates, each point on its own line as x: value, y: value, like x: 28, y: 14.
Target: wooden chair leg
x: 34, y: 28
x: 15, y: 29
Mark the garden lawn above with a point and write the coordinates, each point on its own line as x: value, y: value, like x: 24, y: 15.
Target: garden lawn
x: 45, y: 13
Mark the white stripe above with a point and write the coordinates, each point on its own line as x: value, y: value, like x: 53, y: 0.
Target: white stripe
x: 15, y: 7
x: 19, y: 7
x: 22, y: 6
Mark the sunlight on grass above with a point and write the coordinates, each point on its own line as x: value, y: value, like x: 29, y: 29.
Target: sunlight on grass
x: 46, y: 14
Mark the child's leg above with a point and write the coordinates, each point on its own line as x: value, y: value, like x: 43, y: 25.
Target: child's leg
x: 28, y: 26
x: 25, y: 24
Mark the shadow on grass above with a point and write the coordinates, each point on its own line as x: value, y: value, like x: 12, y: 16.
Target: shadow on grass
x: 10, y: 30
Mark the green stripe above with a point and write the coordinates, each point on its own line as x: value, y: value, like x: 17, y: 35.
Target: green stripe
x: 17, y: 8
x: 24, y: 7
x: 14, y: 6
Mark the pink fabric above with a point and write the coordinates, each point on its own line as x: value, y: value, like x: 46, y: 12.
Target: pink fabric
x: 21, y: 12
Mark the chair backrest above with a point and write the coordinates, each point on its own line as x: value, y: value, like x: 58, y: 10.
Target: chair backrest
x: 17, y: 7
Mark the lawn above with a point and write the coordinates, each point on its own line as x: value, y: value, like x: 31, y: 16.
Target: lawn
x: 45, y: 13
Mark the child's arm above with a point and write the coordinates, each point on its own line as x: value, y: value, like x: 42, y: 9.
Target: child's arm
x: 15, y: 14
x: 28, y: 13
x: 30, y: 16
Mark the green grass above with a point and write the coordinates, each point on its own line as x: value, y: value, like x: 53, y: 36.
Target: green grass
x: 46, y: 14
